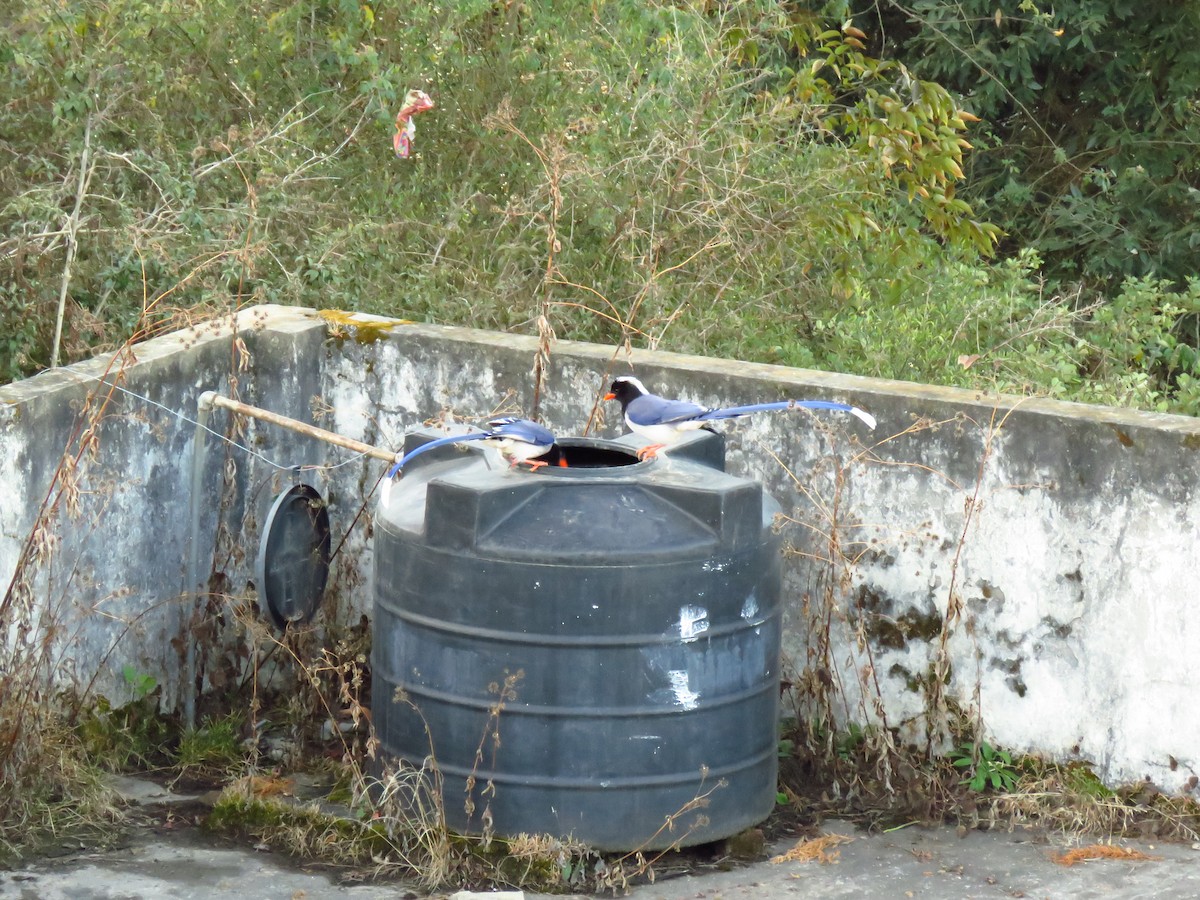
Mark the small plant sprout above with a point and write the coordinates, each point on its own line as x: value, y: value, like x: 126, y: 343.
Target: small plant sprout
x: 991, y: 768
x: 140, y: 683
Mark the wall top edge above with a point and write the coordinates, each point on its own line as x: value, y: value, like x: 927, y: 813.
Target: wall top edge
x: 863, y: 390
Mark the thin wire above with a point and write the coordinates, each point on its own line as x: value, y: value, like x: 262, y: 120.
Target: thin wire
x: 355, y: 458
x: 228, y: 440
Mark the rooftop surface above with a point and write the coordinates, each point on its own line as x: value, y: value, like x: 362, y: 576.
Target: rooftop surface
x: 937, y: 863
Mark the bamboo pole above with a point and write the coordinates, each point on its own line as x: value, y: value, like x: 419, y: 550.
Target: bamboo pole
x: 211, y: 398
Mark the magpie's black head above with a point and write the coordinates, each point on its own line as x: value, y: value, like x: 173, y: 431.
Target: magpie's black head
x: 625, y: 390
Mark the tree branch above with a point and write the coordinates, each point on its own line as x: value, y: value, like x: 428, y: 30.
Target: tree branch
x: 72, y: 229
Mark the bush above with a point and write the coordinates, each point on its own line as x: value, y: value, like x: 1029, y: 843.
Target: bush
x: 1093, y: 146
x: 615, y: 172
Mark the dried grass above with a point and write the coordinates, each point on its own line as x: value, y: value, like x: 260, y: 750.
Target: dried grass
x: 1070, y: 799
x: 266, y: 786
x: 819, y: 848
x: 48, y: 782
x: 1099, y: 851
x: 57, y: 793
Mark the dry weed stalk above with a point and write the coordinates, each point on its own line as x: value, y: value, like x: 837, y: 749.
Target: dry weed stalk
x: 41, y: 758
x: 408, y: 805
x: 1067, y: 798
x: 31, y: 628
x: 553, y: 157
x: 940, y: 721
x: 396, y: 823
x: 698, y: 802
x: 819, y: 684
x: 865, y: 761
x: 504, y: 693
x: 713, y: 207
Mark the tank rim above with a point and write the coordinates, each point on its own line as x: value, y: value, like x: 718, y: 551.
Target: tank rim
x: 623, y: 461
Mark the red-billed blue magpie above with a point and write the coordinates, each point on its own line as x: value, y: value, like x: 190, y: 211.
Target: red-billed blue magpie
x: 518, y: 440
x: 665, y: 421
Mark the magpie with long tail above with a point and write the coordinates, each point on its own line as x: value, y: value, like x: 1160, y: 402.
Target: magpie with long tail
x: 518, y: 440
x: 665, y: 422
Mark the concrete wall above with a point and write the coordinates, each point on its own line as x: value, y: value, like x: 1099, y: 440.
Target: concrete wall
x: 1035, y: 553
x: 114, y: 526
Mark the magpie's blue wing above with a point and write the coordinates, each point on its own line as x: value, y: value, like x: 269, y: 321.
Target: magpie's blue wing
x: 521, y: 430
x: 649, y: 409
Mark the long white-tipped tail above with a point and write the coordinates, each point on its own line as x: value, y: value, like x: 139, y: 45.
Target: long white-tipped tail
x: 863, y: 415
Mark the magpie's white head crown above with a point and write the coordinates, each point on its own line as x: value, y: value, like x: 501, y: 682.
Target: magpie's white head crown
x: 626, y: 388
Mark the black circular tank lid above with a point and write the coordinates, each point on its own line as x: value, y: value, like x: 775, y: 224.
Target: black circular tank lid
x: 293, y: 556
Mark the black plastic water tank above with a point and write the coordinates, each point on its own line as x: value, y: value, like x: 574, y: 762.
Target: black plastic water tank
x: 632, y: 607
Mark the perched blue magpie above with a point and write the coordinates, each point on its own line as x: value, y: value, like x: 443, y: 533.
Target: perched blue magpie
x: 665, y: 421
x: 518, y: 440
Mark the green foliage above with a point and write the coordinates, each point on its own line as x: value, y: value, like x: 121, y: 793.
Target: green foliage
x: 1077, y: 778
x: 136, y: 736
x: 786, y: 747
x: 140, y: 683
x: 908, y: 131
x: 747, y: 179
x: 986, y: 766
x: 195, y: 142
x: 18, y: 333
x: 1140, y: 349
x: 845, y: 744
x: 850, y: 742
x: 213, y: 748
x: 127, y: 738
x: 1093, y: 153
x: 624, y: 171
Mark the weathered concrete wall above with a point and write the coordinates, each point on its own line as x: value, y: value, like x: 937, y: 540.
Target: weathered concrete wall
x: 1054, y: 541
x: 115, y: 529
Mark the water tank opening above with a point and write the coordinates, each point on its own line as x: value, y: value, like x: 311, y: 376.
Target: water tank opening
x: 589, y: 455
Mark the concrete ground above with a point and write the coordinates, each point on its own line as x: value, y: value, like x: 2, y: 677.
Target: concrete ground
x: 929, y: 863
